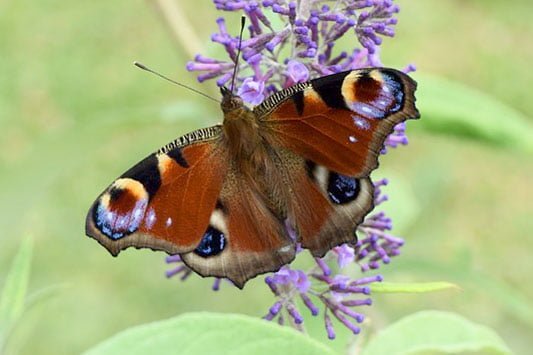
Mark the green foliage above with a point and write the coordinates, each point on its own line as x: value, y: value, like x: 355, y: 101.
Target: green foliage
x: 412, y: 287
x: 402, y: 205
x: 75, y: 114
x: 13, y: 299
x: 210, y: 333
x: 435, y: 332
x: 508, y: 298
x: 453, y: 108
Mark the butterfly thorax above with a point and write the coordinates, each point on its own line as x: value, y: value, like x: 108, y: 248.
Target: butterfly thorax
x: 243, y: 135
x: 251, y: 152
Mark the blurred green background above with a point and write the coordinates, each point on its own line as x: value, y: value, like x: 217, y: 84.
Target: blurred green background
x: 74, y: 114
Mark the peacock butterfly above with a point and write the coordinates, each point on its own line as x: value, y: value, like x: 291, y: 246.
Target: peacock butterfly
x: 225, y: 197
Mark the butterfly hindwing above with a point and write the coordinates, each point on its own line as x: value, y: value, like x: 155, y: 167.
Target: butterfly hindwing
x: 165, y: 201
x: 247, y: 239
x: 325, y: 207
x: 341, y: 121
x: 349, y: 198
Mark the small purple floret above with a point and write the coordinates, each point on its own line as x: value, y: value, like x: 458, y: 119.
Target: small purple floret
x: 345, y: 255
x: 252, y: 91
x: 216, y: 284
x: 296, y: 72
x: 291, y: 309
x: 309, y: 304
x: 323, y: 266
x: 329, y: 327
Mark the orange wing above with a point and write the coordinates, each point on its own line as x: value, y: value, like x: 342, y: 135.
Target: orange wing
x: 341, y: 121
x: 335, y: 126
x: 324, y: 207
x: 165, y: 201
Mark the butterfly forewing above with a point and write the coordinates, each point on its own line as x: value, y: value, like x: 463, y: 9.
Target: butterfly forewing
x: 166, y: 200
x: 342, y: 120
x: 190, y: 199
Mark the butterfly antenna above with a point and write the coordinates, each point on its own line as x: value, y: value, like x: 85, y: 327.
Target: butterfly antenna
x: 243, y: 21
x: 144, y: 67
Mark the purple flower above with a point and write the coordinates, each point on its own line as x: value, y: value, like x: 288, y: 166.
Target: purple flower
x: 285, y: 276
x: 296, y: 73
x: 179, y: 269
x: 251, y: 91
x: 397, y: 137
x: 343, y: 294
x: 339, y: 295
x: 345, y: 255
x: 301, y: 48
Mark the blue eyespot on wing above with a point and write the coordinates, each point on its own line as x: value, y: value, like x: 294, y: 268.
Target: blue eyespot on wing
x: 342, y: 189
x: 213, y: 242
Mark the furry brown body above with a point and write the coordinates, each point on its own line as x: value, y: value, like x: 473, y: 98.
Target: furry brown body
x: 250, y: 147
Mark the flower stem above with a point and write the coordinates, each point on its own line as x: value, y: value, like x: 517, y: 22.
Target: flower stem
x: 181, y: 29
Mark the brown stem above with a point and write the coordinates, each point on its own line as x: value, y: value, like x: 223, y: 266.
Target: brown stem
x: 179, y: 26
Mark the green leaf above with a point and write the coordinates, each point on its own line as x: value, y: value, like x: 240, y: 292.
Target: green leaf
x: 516, y: 303
x: 38, y: 297
x: 435, y: 332
x: 453, y: 108
x: 412, y: 287
x: 210, y: 333
x: 13, y: 297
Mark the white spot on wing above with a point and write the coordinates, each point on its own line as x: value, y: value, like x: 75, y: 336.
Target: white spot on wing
x: 285, y: 249
x: 121, y: 222
x: 169, y: 222
x: 137, y: 215
x: 352, y: 139
x: 360, y: 122
x: 138, y: 211
x: 150, y: 218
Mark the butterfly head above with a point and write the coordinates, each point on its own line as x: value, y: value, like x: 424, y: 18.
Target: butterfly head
x: 230, y: 102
